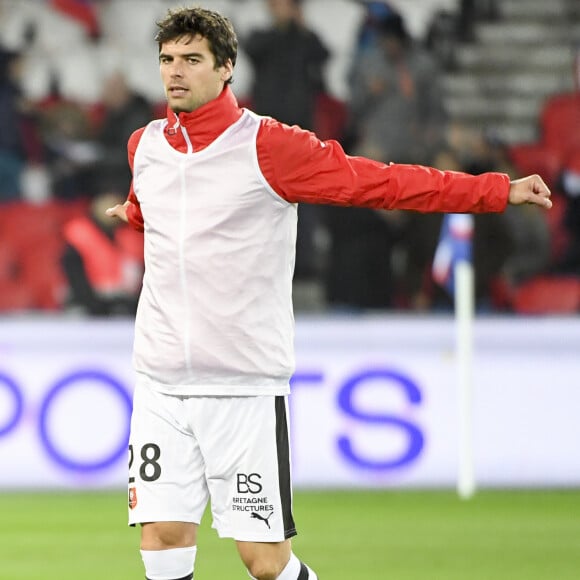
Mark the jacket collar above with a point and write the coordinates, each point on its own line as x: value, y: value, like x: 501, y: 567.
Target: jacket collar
x: 205, y: 124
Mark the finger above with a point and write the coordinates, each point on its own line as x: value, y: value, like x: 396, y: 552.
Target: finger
x: 543, y: 191
x: 539, y: 186
x: 542, y: 200
x: 112, y: 211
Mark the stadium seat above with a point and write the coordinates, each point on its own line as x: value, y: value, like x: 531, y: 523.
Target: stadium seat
x: 31, y: 241
x: 560, y: 119
x: 114, y: 16
x: 27, y: 225
x: 559, y: 139
x: 14, y: 297
x: 330, y: 117
x: 548, y: 295
x: 42, y: 275
x: 559, y: 234
x: 529, y: 158
x: 78, y: 75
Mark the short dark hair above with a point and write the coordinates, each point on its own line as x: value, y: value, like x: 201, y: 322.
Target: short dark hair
x: 217, y: 29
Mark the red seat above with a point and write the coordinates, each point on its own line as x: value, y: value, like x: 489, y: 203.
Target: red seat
x: 548, y: 295
x: 32, y: 243
x: 559, y: 139
x: 330, y: 117
x: 14, y: 296
x: 530, y: 158
x: 559, y: 234
x: 42, y: 275
x: 560, y: 119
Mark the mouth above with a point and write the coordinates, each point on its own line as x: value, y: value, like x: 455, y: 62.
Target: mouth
x: 177, y: 91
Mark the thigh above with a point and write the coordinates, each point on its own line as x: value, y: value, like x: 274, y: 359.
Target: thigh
x: 245, y: 444
x: 166, y: 468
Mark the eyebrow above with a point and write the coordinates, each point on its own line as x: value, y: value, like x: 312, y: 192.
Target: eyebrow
x: 188, y: 55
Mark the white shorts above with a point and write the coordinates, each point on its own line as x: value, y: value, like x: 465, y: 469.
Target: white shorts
x: 184, y: 451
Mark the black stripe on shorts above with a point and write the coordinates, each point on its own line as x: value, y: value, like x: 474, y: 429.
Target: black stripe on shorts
x: 284, y: 481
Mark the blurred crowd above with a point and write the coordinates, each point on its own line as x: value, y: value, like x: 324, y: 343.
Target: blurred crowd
x: 63, y: 158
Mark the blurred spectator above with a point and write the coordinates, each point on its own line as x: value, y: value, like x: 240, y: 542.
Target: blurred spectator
x: 530, y: 234
x: 102, y: 261
x: 379, y: 259
x: 123, y: 112
x: 359, y: 272
x: 495, y: 249
x: 396, y: 99
x: 442, y: 38
x: 419, y: 240
x: 472, y: 10
x: 369, y: 32
x: 12, y: 138
x: 288, y: 60
x: 493, y: 242
x: 70, y: 149
x: 570, y: 186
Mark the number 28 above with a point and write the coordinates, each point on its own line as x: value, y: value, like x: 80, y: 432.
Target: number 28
x: 149, y: 470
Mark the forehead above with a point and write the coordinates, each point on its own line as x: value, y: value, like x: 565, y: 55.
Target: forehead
x: 186, y: 44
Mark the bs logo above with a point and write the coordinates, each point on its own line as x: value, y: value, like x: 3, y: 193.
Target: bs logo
x: 249, y: 483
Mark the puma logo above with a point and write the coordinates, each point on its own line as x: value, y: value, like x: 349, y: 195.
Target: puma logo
x: 257, y: 516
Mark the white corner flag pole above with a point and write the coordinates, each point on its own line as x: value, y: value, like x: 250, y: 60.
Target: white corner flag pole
x: 464, y: 315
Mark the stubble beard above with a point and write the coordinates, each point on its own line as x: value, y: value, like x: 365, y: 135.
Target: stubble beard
x: 185, y: 107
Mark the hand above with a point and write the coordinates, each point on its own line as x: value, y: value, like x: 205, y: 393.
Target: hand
x: 119, y: 211
x: 531, y: 189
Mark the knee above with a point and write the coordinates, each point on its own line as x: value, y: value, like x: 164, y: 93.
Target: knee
x: 167, y: 535
x: 265, y: 561
x: 264, y: 569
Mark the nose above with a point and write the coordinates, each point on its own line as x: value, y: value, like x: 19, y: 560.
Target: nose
x: 176, y: 70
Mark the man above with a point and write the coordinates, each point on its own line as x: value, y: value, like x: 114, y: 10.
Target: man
x: 396, y: 98
x: 13, y: 140
x: 124, y: 110
x: 288, y: 61
x: 102, y: 262
x: 215, y: 188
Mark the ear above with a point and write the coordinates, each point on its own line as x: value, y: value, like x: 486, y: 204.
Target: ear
x: 227, y: 71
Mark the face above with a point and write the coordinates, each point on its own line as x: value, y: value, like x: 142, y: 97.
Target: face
x: 282, y: 10
x: 189, y: 75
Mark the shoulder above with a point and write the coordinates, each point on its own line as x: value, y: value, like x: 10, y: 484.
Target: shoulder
x: 133, y: 143
x: 277, y: 134
x: 135, y: 138
x: 285, y: 145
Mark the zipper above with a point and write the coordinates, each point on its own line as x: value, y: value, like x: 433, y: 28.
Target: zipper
x: 187, y: 140
x: 182, y: 268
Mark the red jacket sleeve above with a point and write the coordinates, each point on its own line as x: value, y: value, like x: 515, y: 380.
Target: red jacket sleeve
x: 133, y: 209
x: 301, y: 168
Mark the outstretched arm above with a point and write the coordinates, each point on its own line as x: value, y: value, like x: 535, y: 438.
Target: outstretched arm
x: 530, y: 189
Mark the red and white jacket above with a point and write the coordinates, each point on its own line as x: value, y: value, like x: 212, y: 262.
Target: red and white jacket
x: 215, y: 192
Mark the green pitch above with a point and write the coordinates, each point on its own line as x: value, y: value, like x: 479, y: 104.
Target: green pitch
x: 516, y: 535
